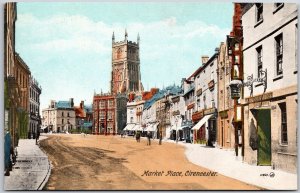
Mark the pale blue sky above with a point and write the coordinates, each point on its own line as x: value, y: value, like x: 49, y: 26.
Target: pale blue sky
x: 68, y: 45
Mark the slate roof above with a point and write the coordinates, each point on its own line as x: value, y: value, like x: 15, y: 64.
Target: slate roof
x: 189, y: 90
x: 63, y: 105
x: 88, y: 108
x: 173, y: 90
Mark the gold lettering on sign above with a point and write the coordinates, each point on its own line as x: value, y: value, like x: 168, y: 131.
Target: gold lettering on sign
x: 258, y: 98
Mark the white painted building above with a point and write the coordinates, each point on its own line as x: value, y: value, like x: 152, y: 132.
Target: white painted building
x: 34, y: 107
x: 206, y: 98
x: 59, y: 116
x: 177, y: 112
x: 270, y: 109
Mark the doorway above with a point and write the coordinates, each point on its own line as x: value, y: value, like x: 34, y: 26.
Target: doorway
x: 264, y: 137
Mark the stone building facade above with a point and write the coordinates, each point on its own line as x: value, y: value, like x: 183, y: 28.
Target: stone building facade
x: 125, y: 75
x: 59, y: 117
x: 22, y: 74
x: 225, y: 134
x: 188, y: 86
x: 205, y: 99
x: 270, y: 102
x: 11, y: 89
x: 177, y: 112
x: 34, y: 103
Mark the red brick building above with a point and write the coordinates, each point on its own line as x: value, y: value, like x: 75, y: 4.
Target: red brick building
x: 235, y: 47
x: 104, y: 106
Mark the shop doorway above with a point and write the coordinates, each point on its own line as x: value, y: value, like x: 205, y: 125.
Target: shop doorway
x: 264, y: 137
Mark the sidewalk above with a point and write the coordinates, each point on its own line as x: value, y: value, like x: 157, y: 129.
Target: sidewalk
x: 32, y: 169
x: 226, y: 163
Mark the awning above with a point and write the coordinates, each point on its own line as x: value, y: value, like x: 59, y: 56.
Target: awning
x: 137, y: 128
x: 182, y: 127
x: 129, y: 127
x: 43, y: 128
x: 201, y: 122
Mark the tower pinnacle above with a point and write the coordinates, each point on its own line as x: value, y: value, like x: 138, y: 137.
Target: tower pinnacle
x: 126, y: 35
x: 113, y: 37
x: 138, y: 38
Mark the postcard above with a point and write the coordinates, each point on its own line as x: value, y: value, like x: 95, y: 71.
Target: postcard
x: 150, y: 96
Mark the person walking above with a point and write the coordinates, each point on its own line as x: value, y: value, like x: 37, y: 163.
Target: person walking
x: 37, y: 136
x: 148, y: 137
x: 137, y: 135
x: 160, y: 137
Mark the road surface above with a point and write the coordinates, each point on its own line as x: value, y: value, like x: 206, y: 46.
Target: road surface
x: 96, y: 162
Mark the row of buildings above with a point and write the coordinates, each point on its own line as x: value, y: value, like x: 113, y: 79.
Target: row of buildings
x: 21, y: 91
x: 242, y: 98
x: 64, y: 117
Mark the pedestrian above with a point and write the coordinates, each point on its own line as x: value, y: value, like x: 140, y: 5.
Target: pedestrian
x: 137, y: 136
x: 148, y: 137
x: 160, y: 137
x: 37, y: 136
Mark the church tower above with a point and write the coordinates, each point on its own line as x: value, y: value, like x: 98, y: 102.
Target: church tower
x: 125, y: 75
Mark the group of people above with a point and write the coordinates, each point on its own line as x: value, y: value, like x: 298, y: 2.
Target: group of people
x: 148, y: 135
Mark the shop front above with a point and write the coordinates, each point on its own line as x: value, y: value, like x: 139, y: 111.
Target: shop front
x: 205, y: 130
x: 270, y: 125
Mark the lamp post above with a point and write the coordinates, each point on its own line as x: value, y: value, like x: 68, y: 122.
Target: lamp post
x: 82, y: 123
x: 235, y: 87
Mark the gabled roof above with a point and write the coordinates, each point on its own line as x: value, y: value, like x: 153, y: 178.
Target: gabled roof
x: 79, y: 112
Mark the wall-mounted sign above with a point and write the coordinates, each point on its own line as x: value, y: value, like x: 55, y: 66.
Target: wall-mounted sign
x: 209, y: 111
x: 223, y: 114
x: 199, y: 92
x: 211, y: 84
x: 197, y: 116
x: 190, y: 106
x: 259, y: 98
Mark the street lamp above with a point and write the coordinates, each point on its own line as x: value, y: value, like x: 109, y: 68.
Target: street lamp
x: 235, y: 87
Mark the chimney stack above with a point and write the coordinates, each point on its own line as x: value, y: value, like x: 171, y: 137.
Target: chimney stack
x: 72, y: 102
x: 81, y: 104
x: 204, y: 59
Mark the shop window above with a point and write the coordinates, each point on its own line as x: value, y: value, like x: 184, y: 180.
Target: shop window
x: 279, y: 54
x: 284, y: 132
